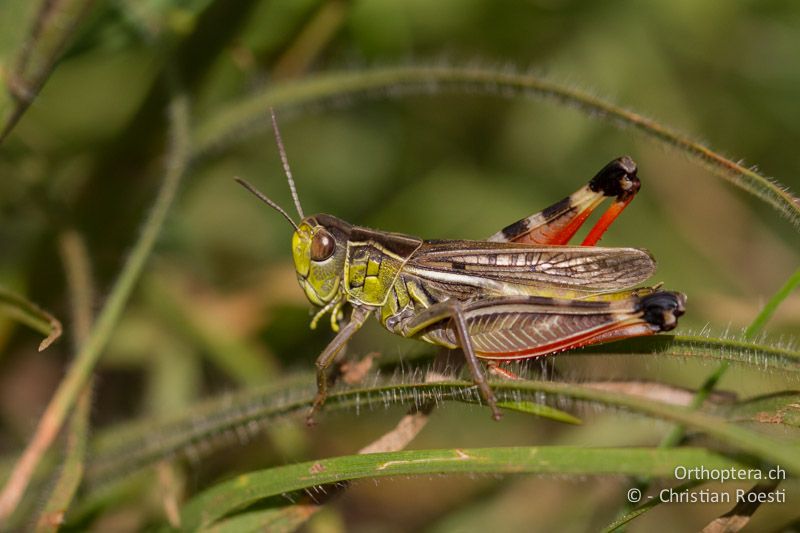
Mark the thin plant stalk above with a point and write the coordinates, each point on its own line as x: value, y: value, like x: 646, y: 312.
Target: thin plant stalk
x: 81, y: 369
x: 77, y: 268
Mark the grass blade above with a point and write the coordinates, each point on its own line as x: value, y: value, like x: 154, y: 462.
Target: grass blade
x: 646, y: 506
x: 71, y: 474
x: 538, y: 409
x: 79, y: 283
x: 769, y: 309
x: 30, y: 314
x: 246, y: 489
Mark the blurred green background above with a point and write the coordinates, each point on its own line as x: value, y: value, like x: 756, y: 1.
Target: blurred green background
x: 219, y: 308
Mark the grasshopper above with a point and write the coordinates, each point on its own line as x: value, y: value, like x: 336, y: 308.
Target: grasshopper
x: 523, y: 292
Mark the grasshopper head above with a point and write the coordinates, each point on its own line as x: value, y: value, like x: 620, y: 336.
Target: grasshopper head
x: 319, y: 247
x: 319, y: 243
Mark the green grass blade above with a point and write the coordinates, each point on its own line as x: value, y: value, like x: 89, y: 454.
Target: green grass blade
x: 246, y: 489
x: 77, y: 267
x: 772, y: 305
x: 71, y: 474
x: 538, y: 409
x: 20, y: 309
x: 646, y: 506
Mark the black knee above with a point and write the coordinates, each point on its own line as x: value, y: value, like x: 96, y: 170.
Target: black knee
x: 662, y: 309
x: 618, y: 178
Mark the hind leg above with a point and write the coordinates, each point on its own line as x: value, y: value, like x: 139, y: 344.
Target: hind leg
x: 558, y: 223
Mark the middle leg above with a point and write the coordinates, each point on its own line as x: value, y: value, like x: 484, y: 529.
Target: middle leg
x: 452, y: 310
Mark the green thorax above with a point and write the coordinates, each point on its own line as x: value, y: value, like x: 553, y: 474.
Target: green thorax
x: 374, y: 260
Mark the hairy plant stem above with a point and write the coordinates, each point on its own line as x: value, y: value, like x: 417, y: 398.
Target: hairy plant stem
x: 248, y: 114
x: 220, y: 422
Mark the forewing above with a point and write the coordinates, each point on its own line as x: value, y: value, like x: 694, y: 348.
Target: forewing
x: 539, y: 268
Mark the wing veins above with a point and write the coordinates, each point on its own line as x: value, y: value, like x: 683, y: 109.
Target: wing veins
x: 579, y: 267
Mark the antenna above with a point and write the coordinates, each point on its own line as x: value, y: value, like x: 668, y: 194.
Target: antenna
x: 258, y: 194
x: 285, y: 162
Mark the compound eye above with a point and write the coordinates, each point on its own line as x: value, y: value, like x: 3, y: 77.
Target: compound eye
x: 322, y: 246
